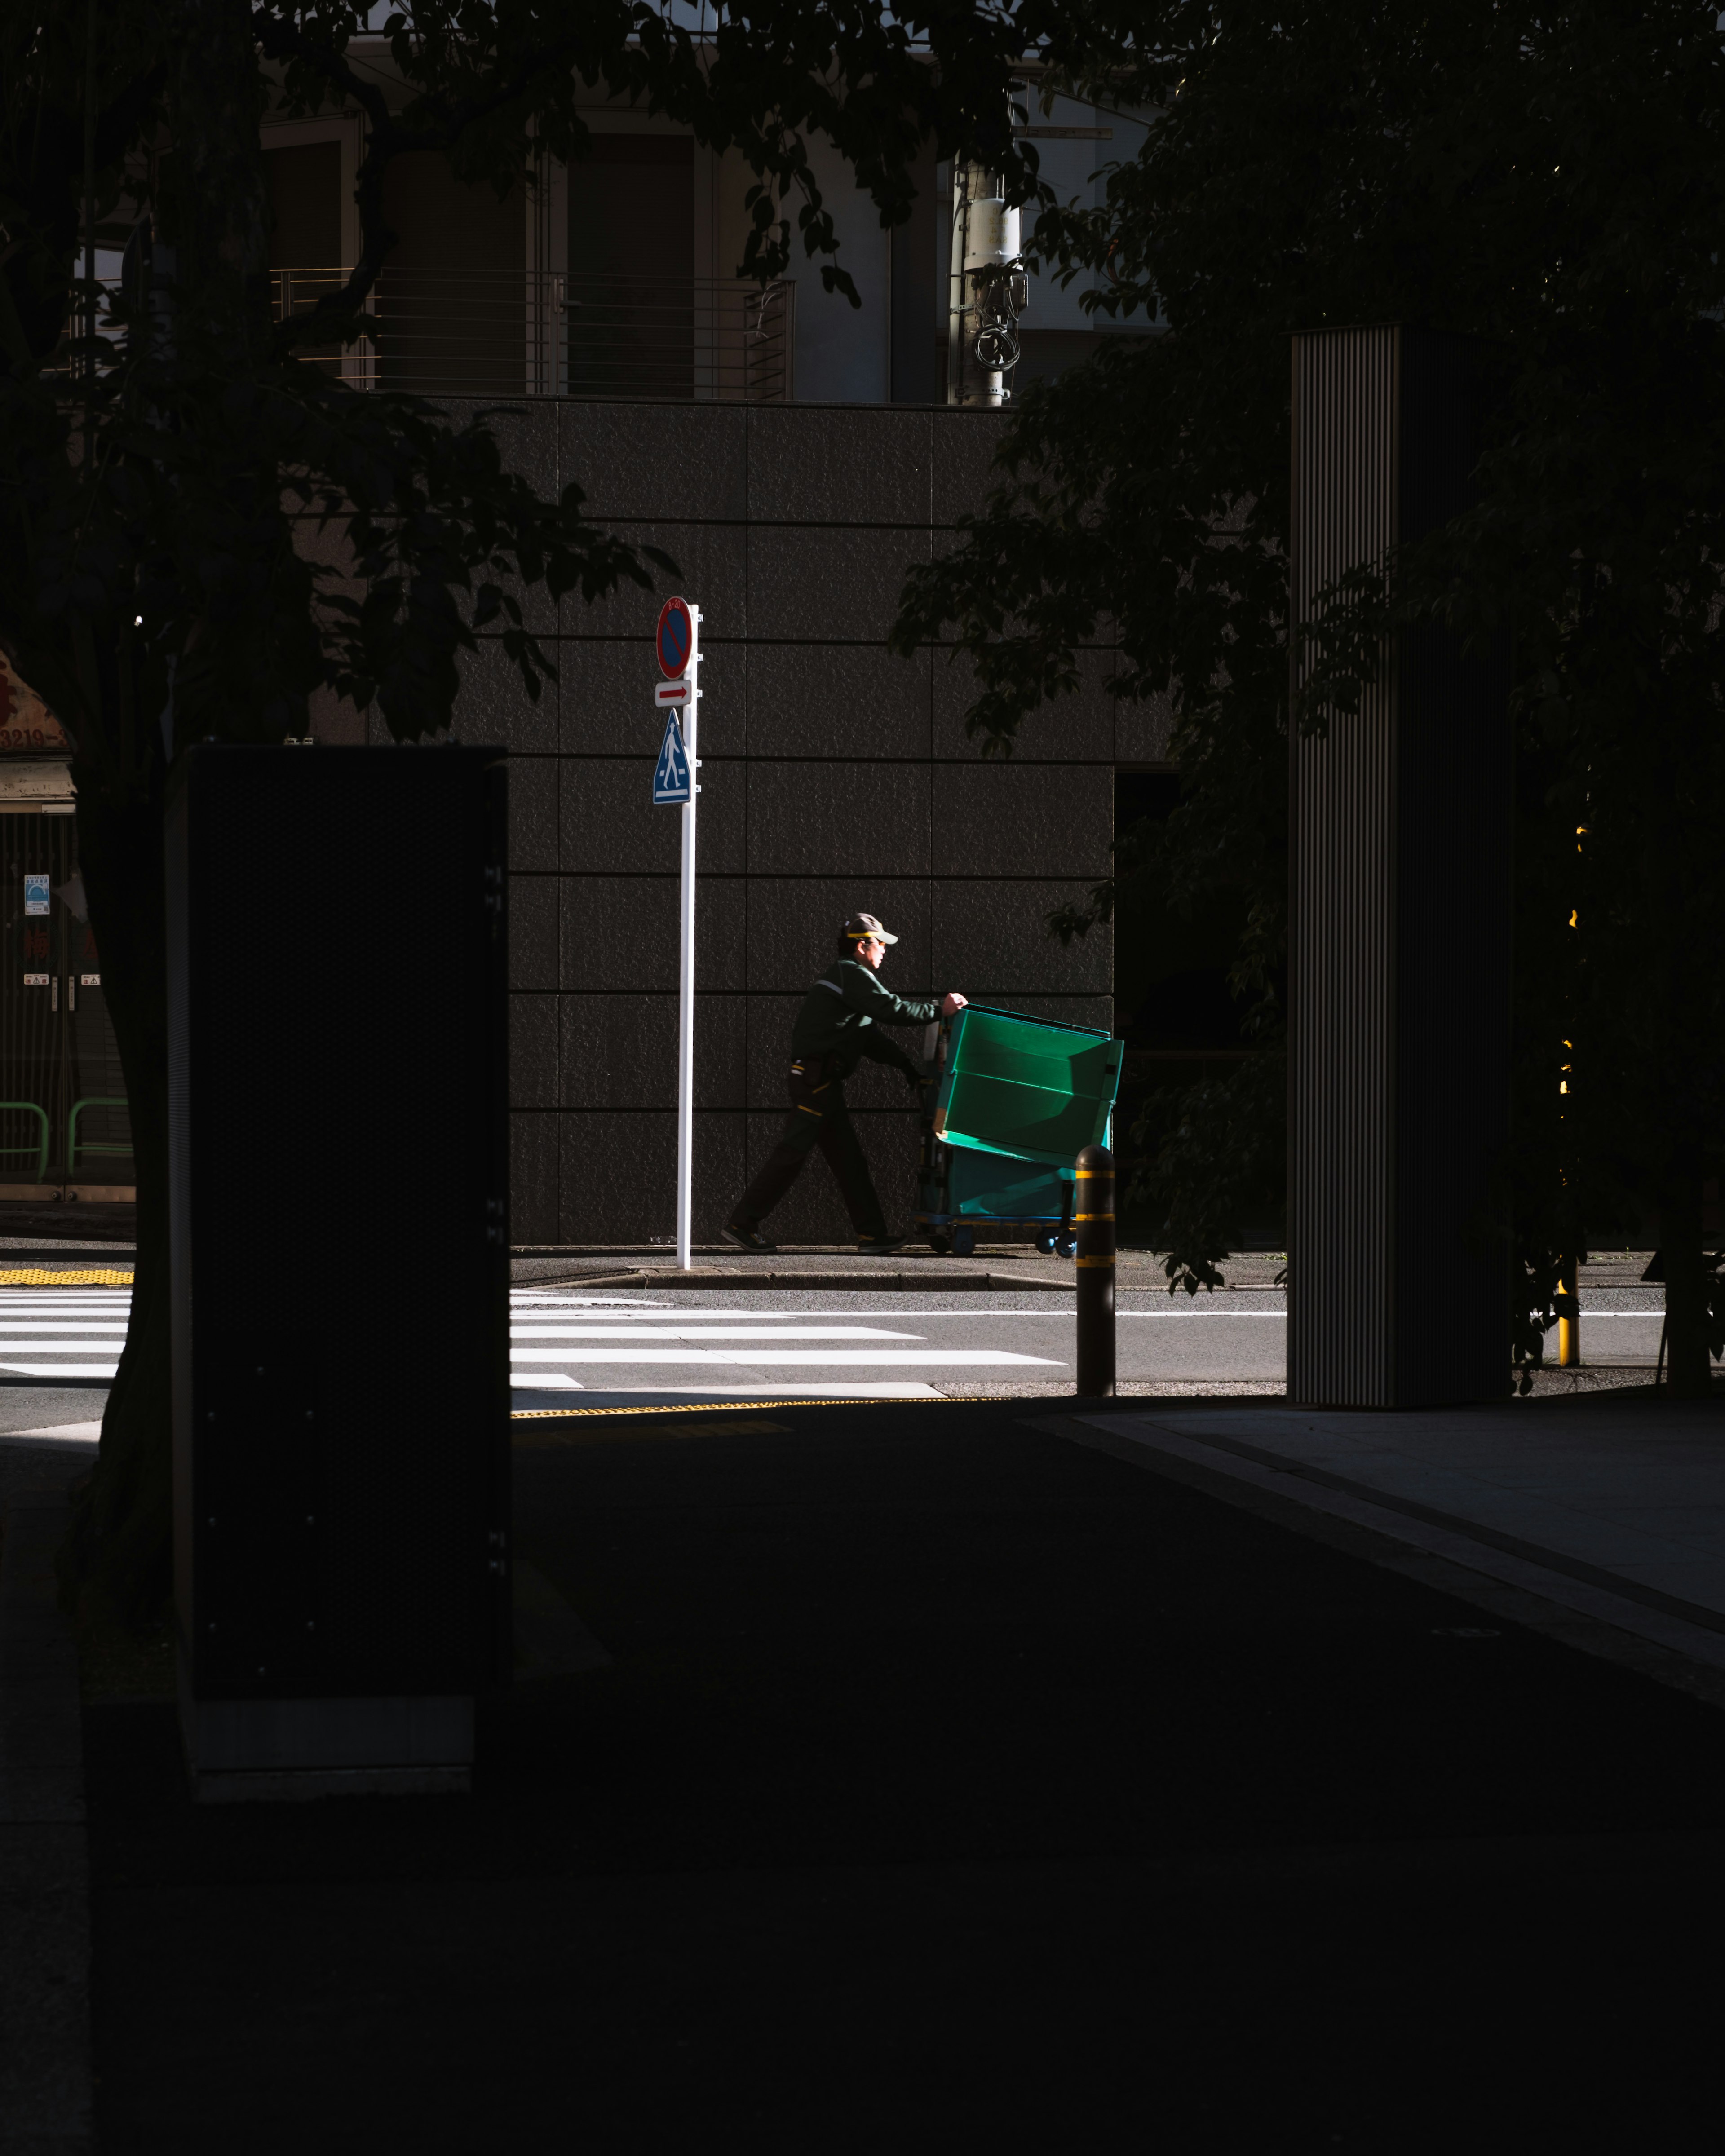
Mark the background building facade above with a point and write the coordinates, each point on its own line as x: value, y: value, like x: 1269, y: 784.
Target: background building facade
x: 797, y: 456
x: 836, y: 776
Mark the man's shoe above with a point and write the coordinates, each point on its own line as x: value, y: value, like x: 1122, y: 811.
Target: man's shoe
x: 746, y: 1239
x: 883, y: 1246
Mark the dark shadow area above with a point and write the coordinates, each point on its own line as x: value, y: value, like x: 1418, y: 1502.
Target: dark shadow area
x: 1171, y: 993
x: 954, y: 1787
x: 71, y: 1220
x: 1172, y: 1005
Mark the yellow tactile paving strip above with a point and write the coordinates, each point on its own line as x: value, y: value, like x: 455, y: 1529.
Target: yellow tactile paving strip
x: 722, y: 1407
x: 61, y: 1276
x: 693, y: 1407
x: 659, y: 1426
x: 585, y: 1426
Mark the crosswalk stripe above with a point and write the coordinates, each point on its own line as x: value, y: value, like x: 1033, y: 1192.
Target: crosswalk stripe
x: 71, y: 1327
x: 848, y: 1358
x: 617, y: 1346
x: 53, y: 1302
x: 706, y: 1333
x: 61, y: 1369
x: 66, y: 1321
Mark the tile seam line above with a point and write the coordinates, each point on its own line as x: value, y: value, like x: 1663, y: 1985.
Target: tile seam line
x: 797, y: 875
x: 736, y: 757
x: 727, y: 641
x: 1475, y: 1531
x: 749, y: 524
x: 1055, y: 994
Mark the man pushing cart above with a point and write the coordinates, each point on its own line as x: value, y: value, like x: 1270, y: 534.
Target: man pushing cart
x: 838, y: 1025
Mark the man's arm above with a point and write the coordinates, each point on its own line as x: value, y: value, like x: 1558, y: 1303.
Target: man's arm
x: 882, y: 1048
x: 863, y: 992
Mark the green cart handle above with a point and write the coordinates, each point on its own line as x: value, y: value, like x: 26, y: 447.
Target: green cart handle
x: 90, y: 1145
x: 40, y: 1150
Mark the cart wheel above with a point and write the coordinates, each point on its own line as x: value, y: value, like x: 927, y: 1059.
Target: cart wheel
x: 1067, y: 1245
x: 941, y: 1243
x: 1045, y: 1244
x: 963, y: 1242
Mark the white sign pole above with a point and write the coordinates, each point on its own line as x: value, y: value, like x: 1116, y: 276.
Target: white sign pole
x: 685, y: 965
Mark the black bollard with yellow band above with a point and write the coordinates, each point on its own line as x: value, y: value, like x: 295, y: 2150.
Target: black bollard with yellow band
x: 1093, y: 1218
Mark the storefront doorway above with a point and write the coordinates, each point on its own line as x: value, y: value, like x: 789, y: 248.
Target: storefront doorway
x: 64, y: 1134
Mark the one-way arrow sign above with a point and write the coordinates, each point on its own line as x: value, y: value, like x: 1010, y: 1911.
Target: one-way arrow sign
x: 671, y: 775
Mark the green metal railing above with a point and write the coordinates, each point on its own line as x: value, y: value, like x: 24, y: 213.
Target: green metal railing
x: 40, y: 1149
x: 89, y: 1145
x: 74, y: 1144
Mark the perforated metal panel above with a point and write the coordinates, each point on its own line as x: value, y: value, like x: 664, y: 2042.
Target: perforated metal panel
x: 1398, y: 1073
x: 340, y: 1297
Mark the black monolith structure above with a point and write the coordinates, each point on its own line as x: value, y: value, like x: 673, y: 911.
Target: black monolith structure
x: 339, y: 1263
x: 1400, y: 914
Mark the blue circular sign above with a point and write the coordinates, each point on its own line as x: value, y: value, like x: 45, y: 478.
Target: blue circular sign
x: 675, y: 639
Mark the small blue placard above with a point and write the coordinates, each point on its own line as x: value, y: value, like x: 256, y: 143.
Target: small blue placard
x: 670, y: 774
x: 35, y: 894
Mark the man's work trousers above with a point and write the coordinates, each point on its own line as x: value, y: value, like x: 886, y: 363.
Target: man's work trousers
x: 818, y: 1117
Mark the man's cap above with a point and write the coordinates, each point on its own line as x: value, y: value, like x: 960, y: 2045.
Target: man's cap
x: 863, y: 924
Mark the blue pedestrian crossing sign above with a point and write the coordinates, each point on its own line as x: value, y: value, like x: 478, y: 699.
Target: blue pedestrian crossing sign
x: 670, y: 774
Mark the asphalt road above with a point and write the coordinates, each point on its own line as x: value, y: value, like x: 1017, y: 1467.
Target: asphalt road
x: 699, y: 1343
x: 683, y: 1343
x: 573, y: 1346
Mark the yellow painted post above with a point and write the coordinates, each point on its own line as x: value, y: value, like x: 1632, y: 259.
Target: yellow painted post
x: 1093, y: 1218
x: 1568, y: 1310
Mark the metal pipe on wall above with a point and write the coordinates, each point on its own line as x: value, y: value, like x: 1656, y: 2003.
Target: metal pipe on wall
x: 986, y: 233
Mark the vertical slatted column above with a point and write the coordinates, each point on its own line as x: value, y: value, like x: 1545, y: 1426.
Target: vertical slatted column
x: 1399, y: 918
x: 1342, y: 1067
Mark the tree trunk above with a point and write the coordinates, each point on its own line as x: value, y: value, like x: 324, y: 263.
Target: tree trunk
x: 121, y: 1538
x: 1688, y: 1364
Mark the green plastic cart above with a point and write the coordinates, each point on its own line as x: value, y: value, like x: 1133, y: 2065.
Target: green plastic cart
x: 1012, y: 1103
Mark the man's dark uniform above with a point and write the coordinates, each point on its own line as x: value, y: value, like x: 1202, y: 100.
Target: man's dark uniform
x: 836, y: 1028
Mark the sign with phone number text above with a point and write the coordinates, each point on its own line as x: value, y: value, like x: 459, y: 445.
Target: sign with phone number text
x: 26, y: 723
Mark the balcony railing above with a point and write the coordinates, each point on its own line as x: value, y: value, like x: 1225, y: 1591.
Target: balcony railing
x: 500, y: 333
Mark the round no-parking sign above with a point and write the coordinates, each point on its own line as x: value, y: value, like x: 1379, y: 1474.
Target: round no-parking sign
x: 674, y: 640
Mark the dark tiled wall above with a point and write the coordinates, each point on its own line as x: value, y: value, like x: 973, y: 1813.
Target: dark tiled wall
x: 837, y: 777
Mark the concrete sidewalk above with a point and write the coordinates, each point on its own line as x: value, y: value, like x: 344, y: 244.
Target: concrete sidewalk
x: 914, y: 1267
x: 1138, y: 1267
x: 919, y: 1779
x: 45, y: 2074
x: 1611, y: 1506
